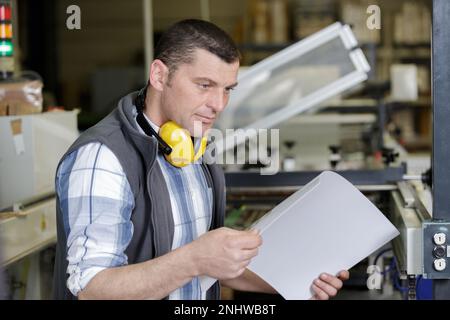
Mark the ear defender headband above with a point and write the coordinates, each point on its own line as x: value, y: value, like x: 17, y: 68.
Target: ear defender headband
x: 174, y: 141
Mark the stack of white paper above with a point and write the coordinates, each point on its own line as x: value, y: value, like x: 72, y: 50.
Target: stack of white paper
x: 327, y: 226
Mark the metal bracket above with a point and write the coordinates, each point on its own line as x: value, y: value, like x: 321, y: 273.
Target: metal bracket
x: 407, y: 193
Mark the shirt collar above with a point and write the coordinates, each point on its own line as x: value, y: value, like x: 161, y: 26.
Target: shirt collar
x: 154, y: 126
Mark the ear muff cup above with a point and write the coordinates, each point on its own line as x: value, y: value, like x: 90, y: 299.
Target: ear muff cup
x: 180, y: 141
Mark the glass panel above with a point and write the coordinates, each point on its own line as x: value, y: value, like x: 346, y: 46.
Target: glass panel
x: 273, y: 88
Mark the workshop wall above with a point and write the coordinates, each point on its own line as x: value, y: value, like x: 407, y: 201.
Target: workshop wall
x: 114, y: 37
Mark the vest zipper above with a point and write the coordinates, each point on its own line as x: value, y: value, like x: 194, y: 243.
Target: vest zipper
x: 152, y: 220
x: 211, y: 183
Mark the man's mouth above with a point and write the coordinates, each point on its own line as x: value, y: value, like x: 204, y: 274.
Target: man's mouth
x: 204, y: 119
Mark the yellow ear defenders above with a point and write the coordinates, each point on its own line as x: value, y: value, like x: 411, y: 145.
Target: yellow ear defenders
x: 174, y: 141
x: 179, y: 139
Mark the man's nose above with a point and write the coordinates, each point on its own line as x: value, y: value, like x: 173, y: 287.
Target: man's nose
x: 217, y: 101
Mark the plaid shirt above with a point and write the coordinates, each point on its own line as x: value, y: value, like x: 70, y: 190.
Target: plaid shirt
x: 96, y: 202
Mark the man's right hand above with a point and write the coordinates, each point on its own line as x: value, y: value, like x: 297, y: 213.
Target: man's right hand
x: 224, y: 253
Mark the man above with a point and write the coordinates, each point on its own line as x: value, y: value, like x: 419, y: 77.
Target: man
x: 133, y: 226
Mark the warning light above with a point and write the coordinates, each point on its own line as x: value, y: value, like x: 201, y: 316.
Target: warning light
x: 5, y: 30
x: 5, y: 12
x: 6, y: 41
x: 6, y: 48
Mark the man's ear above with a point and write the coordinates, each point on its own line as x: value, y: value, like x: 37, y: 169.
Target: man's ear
x: 159, y: 74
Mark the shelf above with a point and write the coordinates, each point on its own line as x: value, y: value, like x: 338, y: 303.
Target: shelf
x: 412, y: 45
x: 264, y: 46
x: 421, y: 102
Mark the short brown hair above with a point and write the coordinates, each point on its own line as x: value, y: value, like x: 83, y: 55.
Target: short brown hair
x: 179, y: 42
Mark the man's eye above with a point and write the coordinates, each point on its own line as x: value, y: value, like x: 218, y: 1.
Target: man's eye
x: 204, y: 85
x: 228, y: 90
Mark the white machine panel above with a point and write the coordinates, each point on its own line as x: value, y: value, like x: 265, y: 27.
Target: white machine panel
x: 31, y: 146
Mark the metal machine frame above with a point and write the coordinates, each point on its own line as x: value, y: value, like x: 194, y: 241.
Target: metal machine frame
x: 441, y: 130
x: 261, y: 70
x: 415, y: 249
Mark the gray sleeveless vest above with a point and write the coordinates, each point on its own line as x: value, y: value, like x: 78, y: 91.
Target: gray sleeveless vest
x: 152, y: 216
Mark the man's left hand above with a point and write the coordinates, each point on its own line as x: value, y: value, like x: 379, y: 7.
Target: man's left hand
x: 327, y: 285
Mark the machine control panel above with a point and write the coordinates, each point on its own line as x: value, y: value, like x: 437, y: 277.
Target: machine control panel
x: 436, y: 249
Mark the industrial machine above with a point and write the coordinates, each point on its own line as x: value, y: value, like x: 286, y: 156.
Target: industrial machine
x: 285, y: 92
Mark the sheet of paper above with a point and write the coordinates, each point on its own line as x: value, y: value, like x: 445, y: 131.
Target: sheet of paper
x: 327, y: 226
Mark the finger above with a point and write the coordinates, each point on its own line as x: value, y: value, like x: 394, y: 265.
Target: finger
x: 328, y: 289
x: 231, y: 231
x: 331, y: 280
x: 235, y: 232
x: 344, y: 275
x: 320, y: 294
x: 249, y: 253
x: 246, y: 241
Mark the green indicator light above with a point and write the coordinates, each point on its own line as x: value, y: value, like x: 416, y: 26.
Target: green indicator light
x: 6, y: 48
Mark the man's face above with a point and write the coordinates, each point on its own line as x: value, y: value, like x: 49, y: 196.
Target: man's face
x: 199, y: 91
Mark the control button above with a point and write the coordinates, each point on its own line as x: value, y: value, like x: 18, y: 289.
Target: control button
x: 439, y: 238
x: 439, y: 252
x: 440, y: 264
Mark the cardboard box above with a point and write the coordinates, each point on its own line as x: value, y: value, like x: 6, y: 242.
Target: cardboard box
x: 20, y: 98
